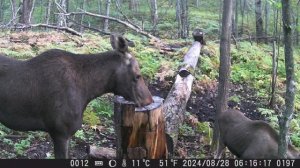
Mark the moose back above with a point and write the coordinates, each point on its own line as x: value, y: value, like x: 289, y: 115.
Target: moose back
x: 51, y: 91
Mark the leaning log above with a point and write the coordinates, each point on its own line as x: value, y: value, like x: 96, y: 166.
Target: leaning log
x: 175, y: 103
x: 140, y: 131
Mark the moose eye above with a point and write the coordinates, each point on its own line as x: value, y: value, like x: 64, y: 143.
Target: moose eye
x: 137, y: 77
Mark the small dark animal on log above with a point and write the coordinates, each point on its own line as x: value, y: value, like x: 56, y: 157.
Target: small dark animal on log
x: 198, y: 35
x: 51, y: 91
x: 248, y: 139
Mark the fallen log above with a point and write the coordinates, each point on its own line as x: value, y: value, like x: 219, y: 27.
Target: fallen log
x: 101, y: 153
x: 140, y: 131
x: 175, y: 103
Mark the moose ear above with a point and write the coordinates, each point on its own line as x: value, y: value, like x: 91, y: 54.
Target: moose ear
x: 118, y: 43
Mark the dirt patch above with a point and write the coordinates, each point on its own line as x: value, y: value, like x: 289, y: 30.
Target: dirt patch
x: 203, y: 104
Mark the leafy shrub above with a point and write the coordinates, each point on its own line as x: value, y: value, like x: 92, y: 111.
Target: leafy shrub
x: 80, y: 135
x: 102, y: 107
x: 90, y: 117
x: 21, y: 146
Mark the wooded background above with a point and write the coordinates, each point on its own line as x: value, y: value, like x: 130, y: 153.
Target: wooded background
x: 151, y: 16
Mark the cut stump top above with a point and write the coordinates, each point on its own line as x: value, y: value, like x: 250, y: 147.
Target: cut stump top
x: 157, y: 102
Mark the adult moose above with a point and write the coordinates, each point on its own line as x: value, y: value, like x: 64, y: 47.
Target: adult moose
x: 50, y: 92
x: 248, y: 139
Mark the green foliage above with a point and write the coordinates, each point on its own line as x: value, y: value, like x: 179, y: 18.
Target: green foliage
x: 271, y: 116
x: 209, y: 67
x: 22, y: 145
x: 149, y: 63
x: 235, y: 99
x: 90, y: 117
x: 276, y: 4
x: 17, y: 54
x: 4, y: 130
x: 8, y: 141
x: 185, y: 129
x: 295, y: 137
x: 80, y: 135
x: 203, y: 127
x: 205, y: 130
x: 295, y: 130
x: 102, y: 107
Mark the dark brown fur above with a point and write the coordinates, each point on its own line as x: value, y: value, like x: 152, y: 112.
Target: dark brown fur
x: 50, y: 92
x: 248, y: 139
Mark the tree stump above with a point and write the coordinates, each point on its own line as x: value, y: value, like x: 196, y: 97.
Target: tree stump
x: 140, y: 131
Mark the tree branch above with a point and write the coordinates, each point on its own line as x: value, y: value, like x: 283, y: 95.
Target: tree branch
x: 129, y: 25
x: 90, y: 28
x: 127, y: 19
x: 66, y: 29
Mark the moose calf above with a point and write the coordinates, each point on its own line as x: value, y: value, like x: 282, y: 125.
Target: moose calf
x: 249, y: 139
x: 51, y: 91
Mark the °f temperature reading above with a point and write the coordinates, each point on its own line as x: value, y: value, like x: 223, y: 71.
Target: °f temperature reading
x: 166, y: 163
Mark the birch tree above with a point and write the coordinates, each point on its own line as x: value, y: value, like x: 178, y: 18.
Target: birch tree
x: 62, y: 6
x: 154, y: 14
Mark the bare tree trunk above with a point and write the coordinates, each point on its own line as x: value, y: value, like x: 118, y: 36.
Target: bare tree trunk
x: 224, y: 70
x: 182, y: 18
x: 235, y: 19
x: 48, y: 11
x: 14, y: 11
x: 178, y: 10
x: 82, y: 5
x: 242, y: 14
x: 267, y: 18
x: 259, y: 20
x: 154, y: 14
x: 284, y: 119
x: 274, y: 76
x: 31, y: 11
x: 62, y: 21
x: 99, y: 7
x: 107, y: 14
x: 297, y: 23
x: 1, y: 11
x: 197, y: 3
x: 133, y: 5
x: 220, y: 17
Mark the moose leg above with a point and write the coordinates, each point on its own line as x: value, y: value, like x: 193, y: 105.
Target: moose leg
x: 220, y: 149
x: 61, y: 146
